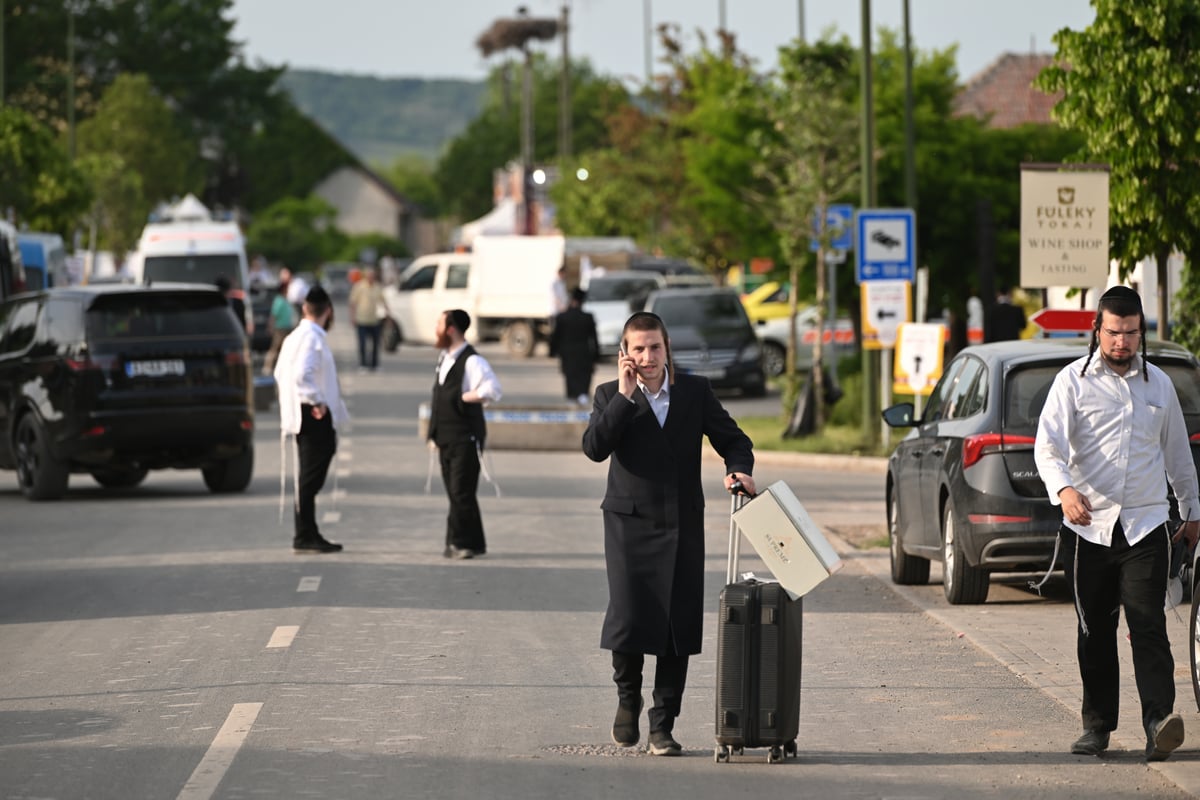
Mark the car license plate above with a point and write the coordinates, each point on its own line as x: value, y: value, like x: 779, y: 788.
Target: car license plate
x: 709, y: 373
x: 154, y: 369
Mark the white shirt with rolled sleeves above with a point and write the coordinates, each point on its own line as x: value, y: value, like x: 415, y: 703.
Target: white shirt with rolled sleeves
x: 478, y: 376
x: 1112, y: 438
x: 306, y: 373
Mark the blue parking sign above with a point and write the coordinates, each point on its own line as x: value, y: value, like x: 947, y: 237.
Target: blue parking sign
x: 886, y: 244
x: 839, y: 217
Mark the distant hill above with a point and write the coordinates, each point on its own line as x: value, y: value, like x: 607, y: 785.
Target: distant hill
x: 380, y: 119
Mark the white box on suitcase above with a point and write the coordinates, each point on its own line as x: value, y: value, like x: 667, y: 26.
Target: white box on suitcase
x: 787, y: 540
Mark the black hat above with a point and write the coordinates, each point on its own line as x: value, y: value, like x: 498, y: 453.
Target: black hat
x: 459, y: 319
x: 1123, y: 298
x: 317, y: 296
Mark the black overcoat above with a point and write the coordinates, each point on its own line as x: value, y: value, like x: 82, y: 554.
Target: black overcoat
x: 573, y: 340
x: 654, y: 510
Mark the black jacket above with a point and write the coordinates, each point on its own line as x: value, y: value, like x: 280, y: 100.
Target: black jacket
x: 654, y: 510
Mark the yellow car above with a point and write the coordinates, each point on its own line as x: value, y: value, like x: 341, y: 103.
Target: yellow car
x: 769, y: 301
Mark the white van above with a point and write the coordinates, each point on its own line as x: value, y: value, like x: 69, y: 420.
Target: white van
x: 191, y: 247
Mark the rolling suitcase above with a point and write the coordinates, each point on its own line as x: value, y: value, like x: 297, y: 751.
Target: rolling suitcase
x: 758, y: 662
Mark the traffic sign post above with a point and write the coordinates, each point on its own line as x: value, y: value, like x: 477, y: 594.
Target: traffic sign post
x: 885, y: 305
x: 1064, y: 320
x: 886, y: 244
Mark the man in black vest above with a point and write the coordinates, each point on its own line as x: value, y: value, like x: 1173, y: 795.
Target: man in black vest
x: 465, y: 382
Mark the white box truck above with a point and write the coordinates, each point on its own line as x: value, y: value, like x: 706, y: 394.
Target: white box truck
x: 504, y: 284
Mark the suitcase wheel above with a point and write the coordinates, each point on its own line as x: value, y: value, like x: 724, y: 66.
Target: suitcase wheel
x: 721, y: 753
x: 790, y: 750
x: 775, y: 754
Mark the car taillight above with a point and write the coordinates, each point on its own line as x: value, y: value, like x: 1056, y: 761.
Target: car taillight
x: 235, y: 358
x: 1194, y: 438
x: 977, y: 446
x: 97, y: 363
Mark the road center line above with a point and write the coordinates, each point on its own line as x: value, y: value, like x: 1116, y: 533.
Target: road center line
x: 224, y: 748
x: 283, y: 636
x: 309, y: 583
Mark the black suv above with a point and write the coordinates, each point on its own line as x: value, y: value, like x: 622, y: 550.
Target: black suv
x: 116, y: 380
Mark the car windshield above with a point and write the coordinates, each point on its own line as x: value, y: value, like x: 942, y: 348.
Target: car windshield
x: 620, y: 290
x: 200, y: 314
x: 193, y: 269
x: 721, y: 309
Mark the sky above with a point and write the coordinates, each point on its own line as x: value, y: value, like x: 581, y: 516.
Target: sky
x: 421, y: 39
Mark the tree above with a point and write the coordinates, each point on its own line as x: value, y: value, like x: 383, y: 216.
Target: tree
x: 135, y: 128
x: 806, y: 160
x: 38, y: 184
x: 297, y: 232
x: 1129, y: 88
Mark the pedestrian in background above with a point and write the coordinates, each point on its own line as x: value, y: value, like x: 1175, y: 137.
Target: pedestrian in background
x: 1005, y: 319
x: 650, y: 424
x: 574, y: 341
x: 280, y: 322
x: 311, y: 409
x: 465, y: 381
x: 366, y: 297
x: 559, y: 297
x: 1110, y: 437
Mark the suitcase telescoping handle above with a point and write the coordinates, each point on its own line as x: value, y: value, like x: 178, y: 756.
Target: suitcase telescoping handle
x: 738, y: 497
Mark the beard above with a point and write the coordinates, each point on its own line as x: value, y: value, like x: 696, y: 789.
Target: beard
x: 442, y: 342
x: 1122, y: 361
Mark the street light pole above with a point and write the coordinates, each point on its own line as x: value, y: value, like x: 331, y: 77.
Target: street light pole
x: 564, y: 91
x: 648, y: 32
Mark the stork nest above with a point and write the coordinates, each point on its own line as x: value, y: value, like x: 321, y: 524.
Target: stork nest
x: 506, y: 34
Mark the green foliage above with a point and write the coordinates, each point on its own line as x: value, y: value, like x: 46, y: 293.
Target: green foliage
x: 386, y: 119
x: 298, y: 233
x: 37, y: 181
x: 356, y: 244
x: 1129, y: 88
x: 493, y: 139
x: 413, y: 177
x: 134, y: 167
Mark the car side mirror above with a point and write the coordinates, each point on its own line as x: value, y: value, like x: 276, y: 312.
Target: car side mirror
x: 901, y: 415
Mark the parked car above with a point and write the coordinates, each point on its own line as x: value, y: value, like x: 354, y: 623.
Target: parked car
x: 962, y: 487
x: 773, y: 333
x: 675, y: 271
x: 45, y: 259
x: 119, y: 379
x: 612, y: 297
x: 711, y: 336
x: 767, y: 302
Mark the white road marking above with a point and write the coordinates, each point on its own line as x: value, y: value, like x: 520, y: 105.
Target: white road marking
x: 331, y: 516
x: 283, y: 636
x: 309, y: 584
x: 224, y: 748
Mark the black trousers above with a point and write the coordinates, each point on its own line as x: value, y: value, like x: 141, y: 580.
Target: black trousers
x: 317, y: 442
x: 1104, y: 580
x: 460, y: 474
x: 670, y: 678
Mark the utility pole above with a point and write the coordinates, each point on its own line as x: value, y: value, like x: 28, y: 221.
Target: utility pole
x: 800, y: 36
x: 564, y: 88
x: 648, y: 32
x: 871, y: 358
x: 71, y: 82
x: 721, y: 15
x: 1, y: 53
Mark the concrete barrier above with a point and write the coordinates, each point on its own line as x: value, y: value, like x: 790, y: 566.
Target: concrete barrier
x: 527, y: 427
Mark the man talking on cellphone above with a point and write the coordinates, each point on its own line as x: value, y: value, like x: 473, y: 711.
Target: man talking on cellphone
x: 650, y: 424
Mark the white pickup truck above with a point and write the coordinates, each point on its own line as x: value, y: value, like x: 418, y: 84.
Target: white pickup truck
x: 504, y: 284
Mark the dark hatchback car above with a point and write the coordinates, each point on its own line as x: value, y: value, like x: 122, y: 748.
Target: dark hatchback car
x: 711, y: 336
x: 962, y: 487
x: 116, y: 380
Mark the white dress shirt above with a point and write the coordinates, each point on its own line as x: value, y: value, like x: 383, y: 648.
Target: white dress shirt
x: 1112, y: 438
x: 660, y: 401
x: 477, y: 374
x: 305, y: 373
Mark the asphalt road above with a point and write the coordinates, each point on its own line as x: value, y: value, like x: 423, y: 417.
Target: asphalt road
x: 163, y: 642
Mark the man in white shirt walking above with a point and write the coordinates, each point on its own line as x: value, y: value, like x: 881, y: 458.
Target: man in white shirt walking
x: 1110, y: 437
x: 311, y: 409
x: 465, y: 381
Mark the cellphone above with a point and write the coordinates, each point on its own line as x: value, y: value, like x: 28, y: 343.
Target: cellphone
x: 621, y: 350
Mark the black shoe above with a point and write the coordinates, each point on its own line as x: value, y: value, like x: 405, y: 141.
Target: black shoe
x: 625, y: 725
x: 317, y: 545
x: 1163, y: 736
x: 663, y: 744
x: 1092, y: 743
x: 461, y: 552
